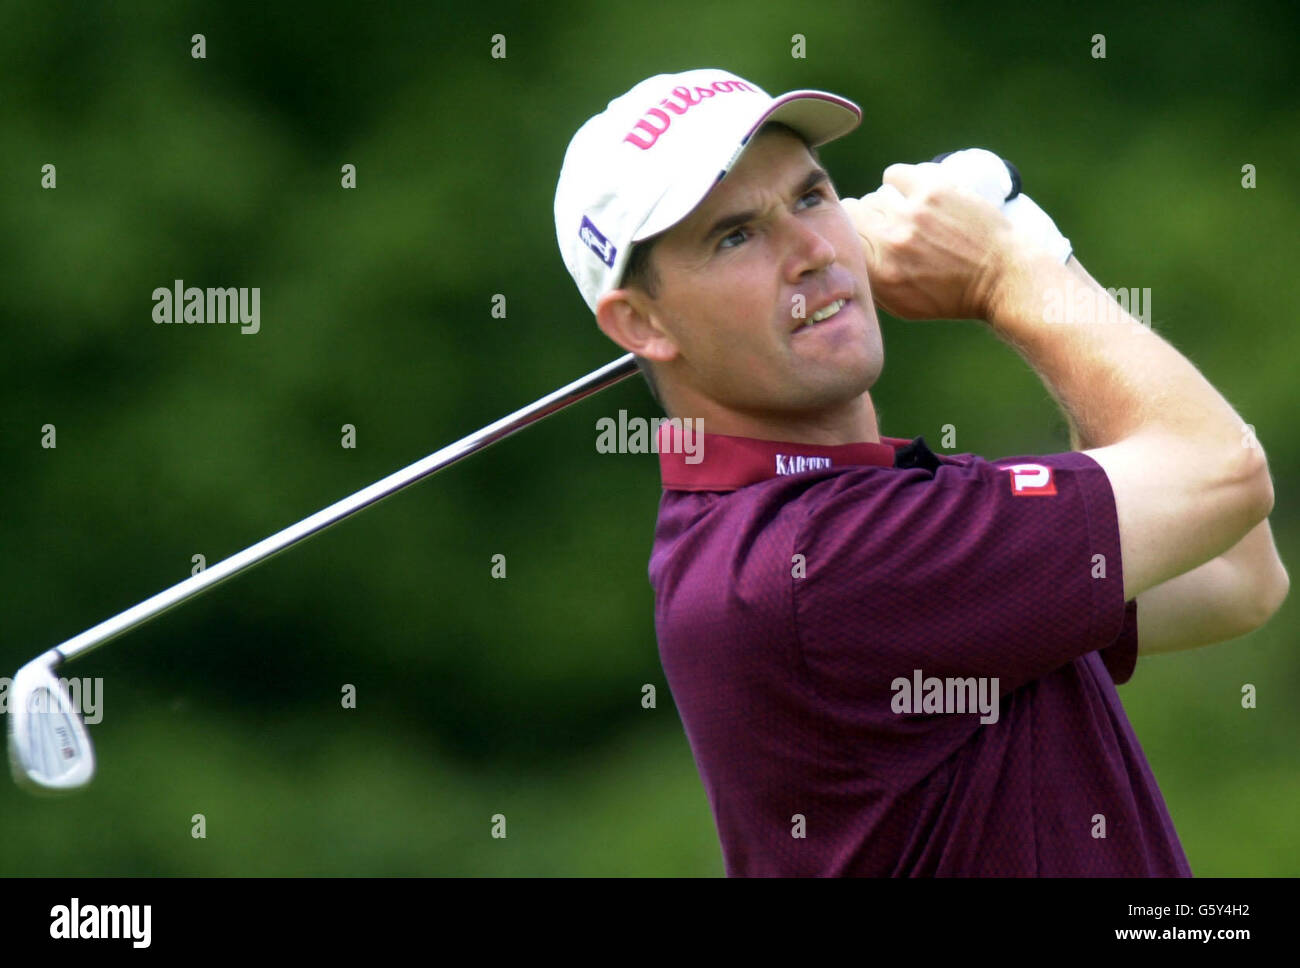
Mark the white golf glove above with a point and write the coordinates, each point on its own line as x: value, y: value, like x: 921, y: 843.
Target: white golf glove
x: 987, y: 173
x: 997, y: 181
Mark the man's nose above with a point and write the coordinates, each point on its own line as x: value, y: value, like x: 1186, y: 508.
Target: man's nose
x: 810, y: 250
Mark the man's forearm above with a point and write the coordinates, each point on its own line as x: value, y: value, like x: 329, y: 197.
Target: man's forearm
x: 1078, y: 440
x: 1256, y: 558
x: 1224, y: 598
x: 1112, y: 378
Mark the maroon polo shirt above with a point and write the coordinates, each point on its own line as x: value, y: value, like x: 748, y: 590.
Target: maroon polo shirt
x: 787, y: 671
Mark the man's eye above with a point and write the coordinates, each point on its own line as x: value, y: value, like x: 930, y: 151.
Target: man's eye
x: 818, y: 194
x: 739, y: 234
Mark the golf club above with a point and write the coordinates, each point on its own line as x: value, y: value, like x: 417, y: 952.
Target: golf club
x: 49, y: 749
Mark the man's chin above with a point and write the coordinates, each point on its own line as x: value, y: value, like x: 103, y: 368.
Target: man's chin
x: 832, y: 396
x: 847, y: 380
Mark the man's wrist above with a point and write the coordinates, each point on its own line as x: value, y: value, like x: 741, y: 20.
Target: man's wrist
x: 1018, y: 286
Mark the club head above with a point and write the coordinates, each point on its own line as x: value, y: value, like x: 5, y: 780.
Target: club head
x: 49, y: 749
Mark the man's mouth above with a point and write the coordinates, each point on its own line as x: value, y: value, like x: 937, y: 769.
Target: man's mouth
x: 827, y: 313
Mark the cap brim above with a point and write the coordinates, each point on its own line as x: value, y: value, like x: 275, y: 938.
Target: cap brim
x: 817, y: 115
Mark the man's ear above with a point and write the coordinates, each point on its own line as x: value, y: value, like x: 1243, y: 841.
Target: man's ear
x: 627, y: 317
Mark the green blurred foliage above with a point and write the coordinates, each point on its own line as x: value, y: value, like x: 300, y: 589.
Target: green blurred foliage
x: 522, y: 697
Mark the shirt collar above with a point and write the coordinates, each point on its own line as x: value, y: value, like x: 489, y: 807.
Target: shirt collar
x: 718, y: 462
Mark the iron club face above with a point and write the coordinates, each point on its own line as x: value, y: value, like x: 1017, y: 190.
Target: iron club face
x: 49, y: 749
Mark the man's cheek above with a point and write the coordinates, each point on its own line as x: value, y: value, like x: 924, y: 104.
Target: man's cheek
x: 851, y: 244
x: 855, y: 259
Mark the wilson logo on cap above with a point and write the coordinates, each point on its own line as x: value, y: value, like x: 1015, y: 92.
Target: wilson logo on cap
x: 689, y: 99
x: 591, y: 236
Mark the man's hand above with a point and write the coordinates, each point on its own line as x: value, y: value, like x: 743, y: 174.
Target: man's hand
x: 934, y: 248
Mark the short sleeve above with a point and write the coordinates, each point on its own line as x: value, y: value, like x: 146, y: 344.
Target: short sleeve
x: 1006, y: 569
x: 1121, y: 655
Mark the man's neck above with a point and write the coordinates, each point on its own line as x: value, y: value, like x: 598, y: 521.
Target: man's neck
x: 854, y: 423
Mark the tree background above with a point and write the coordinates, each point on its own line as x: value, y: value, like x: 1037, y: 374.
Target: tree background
x: 522, y: 696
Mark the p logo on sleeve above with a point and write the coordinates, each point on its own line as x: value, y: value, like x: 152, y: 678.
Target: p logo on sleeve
x: 1031, y: 480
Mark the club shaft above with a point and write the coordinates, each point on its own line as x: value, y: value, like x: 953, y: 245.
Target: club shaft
x: 183, y: 591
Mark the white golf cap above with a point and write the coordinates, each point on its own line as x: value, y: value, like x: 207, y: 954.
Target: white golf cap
x: 644, y: 163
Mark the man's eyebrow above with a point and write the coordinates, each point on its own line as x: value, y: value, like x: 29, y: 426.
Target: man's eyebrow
x: 815, y: 177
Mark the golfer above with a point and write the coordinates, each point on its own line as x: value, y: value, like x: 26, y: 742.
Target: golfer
x: 889, y: 661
